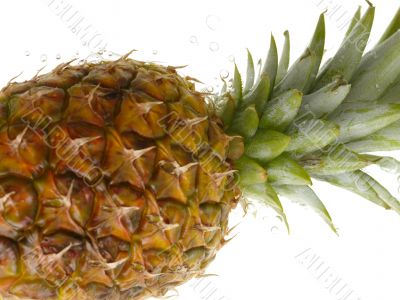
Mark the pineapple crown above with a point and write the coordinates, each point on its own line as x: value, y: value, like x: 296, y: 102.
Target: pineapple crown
x: 308, y: 122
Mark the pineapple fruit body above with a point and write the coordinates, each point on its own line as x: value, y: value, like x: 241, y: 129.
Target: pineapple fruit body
x: 115, y: 183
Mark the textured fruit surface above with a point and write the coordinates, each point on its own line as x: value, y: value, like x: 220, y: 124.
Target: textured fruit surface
x: 114, y: 183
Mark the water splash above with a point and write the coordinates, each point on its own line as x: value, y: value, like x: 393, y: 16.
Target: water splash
x: 193, y: 39
x: 274, y: 229
x: 43, y: 58
x: 214, y: 46
x: 224, y: 74
x: 212, y: 22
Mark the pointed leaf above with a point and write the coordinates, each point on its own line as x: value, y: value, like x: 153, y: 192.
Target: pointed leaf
x: 386, y: 163
x: 281, y: 111
x: 347, y: 59
x: 312, y: 135
x: 299, y: 75
x: 326, y: 100
x: 305, y: 196
x: 250, y: 73
x: 354, y: 21
x: 245, y: 123
x: 357, y: 120
x: 393, y: 27
x: 387, y: 139
x: 237, y: 93
x: 379, y: 69
x: 285, y: 59
x: 392, y: 95
x: 225, y: 109
x: 267, y: 145
x: 271, y: 64
x: 259, y: 95
x: 365, y: 186
x: 250, y: 172
x: 266, y: 194
x: 285, y: 170
x: 302, y: 74
x: 337, y: 161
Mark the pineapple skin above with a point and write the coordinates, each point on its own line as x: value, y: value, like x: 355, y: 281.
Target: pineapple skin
x: 115, y: 183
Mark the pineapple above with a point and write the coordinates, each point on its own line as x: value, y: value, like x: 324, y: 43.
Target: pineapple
x: 117, y: 178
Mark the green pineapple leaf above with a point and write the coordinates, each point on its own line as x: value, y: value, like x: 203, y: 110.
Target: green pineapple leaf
x: 225, y: 109
x: 392, y: 29
x: 259, y: 94
x: 337, y: 160
x: 305, y: 196
x: 285, y: 59
x: 378, y: 70
x: 237, y: 87
x: 250, y: 172
x: 266, y: 145
x: 347, y: 59
x: 286, y: 171
x: 281, y: 111
x: 387, y: 139
x: 302, y: 74
x: 250, y: 76
x: 312, y: 135
x: 357, y: 120
x: 325, y: 100
x: 271, y: 64
x: 364, y: 185
x: 245, y: 123
x: 354, y: 21
x: 267, y: 195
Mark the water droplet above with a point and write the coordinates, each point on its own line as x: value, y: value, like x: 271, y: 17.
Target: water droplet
x: 193, y: 40
x: 214, y: 46
x: 58, y: 56
x: 224, y: 74
x: 43, y: 58
x: 212, y: 22
x: 84, y: 43
x: 231, y: 58
x: 377, y: 86
x: 274, y: 229
x: 27, y: 53
x: 210, y: 89
x: 155, y: 52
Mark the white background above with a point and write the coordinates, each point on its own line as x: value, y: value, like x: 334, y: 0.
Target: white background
x: 262, y: 262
